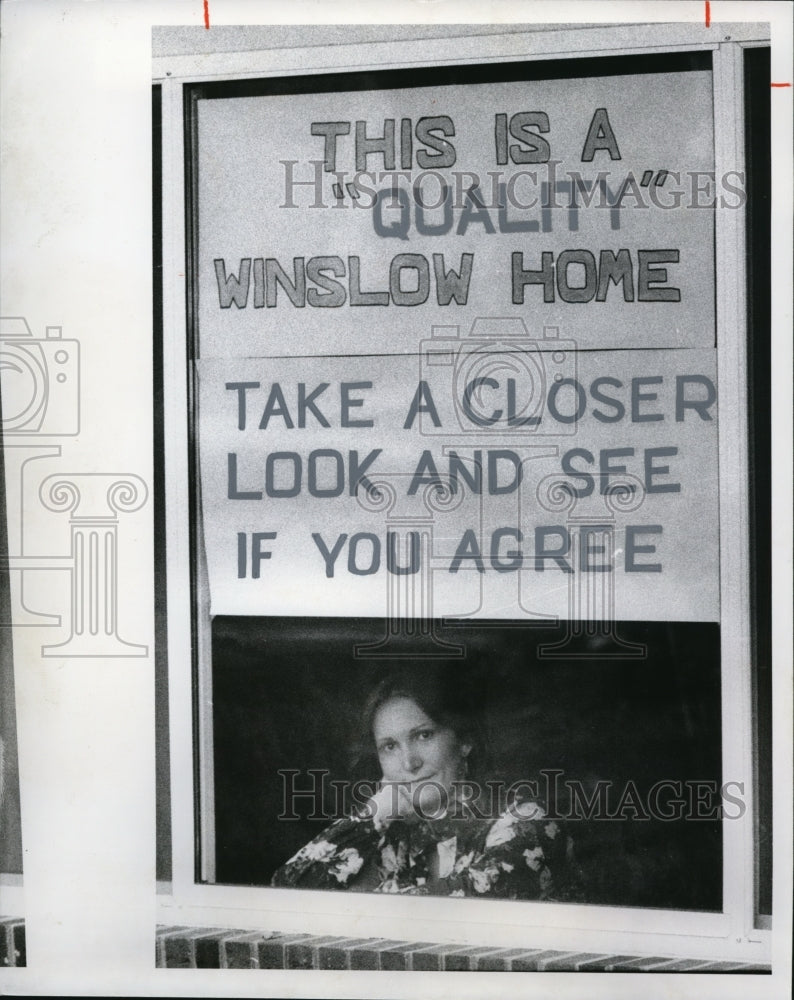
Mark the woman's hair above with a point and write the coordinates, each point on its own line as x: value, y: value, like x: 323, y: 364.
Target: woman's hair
x: 443, y: 694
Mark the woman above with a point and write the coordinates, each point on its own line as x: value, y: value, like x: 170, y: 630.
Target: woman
x: 424, y: 831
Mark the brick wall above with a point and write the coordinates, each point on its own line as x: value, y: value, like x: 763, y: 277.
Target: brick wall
x: 218, y: 948
x: 222, y: 948
x: 12, y: 942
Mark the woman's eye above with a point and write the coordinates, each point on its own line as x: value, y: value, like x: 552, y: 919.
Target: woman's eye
x: 387, y: 747
x: 425, y: 734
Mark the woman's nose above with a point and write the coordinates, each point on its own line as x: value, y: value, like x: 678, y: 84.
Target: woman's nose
x: 412, y: 761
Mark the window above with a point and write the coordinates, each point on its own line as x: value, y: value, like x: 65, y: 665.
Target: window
x: 541, y: 400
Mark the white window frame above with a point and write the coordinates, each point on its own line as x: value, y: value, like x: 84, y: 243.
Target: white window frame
x: 186, y: 900
x: 12, y: 893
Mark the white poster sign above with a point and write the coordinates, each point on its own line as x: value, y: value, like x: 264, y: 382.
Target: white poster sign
x: 483, y: 480
x: 353, y: 221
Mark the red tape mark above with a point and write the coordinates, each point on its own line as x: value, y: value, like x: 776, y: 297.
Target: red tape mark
x: 779, y: 84
x: 206, y: 13
x: 708, y: 14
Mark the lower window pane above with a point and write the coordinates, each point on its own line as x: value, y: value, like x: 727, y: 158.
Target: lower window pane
x: 616, y: 735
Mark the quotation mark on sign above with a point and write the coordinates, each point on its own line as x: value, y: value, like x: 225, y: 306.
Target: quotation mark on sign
x: 658, y: 181
x: 339, y: 191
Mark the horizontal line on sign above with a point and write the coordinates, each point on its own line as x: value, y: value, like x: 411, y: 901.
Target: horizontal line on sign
x: 414, y: 354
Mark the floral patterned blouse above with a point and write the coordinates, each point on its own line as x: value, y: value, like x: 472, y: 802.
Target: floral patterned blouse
x: 520, y: 855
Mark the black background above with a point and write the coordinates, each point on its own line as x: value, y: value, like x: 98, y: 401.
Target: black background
x: 288, y: 692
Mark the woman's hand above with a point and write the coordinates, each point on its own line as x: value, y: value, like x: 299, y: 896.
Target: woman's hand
x: 407, y: 800
x: 392, y: 801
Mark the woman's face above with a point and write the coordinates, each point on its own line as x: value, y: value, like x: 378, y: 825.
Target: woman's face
x: 412, y: 747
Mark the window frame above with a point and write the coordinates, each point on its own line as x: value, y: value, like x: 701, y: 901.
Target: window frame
x: 187, y: 898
